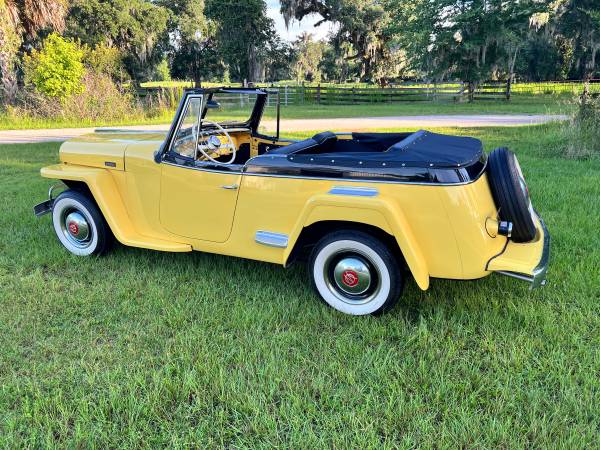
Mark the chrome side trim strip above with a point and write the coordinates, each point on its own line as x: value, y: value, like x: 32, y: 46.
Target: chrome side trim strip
x: 357, y: 191
x: 271, y: 239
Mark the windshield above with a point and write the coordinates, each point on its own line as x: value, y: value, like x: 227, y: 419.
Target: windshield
x: 230, y: 108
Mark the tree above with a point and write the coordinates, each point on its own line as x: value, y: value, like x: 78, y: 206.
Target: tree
x: 244, y: 33
x: 279, y: 57
x: 192, y: 49
x: 19, y: 19
x: 138, y: 28
x: 309, y: 54
x: 578, y: 21
x: 466, y: 39
x: 360, y: 23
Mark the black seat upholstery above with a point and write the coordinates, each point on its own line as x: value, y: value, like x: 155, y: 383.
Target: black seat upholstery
x: 319, y: 143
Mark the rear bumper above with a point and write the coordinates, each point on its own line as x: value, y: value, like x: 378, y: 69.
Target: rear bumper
x: 538, y: 275
x: 528, y: 261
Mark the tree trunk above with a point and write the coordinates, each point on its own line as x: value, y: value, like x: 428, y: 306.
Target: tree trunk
x: 7, y: 71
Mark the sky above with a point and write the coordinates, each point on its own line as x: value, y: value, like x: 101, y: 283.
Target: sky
x: 296, y: 28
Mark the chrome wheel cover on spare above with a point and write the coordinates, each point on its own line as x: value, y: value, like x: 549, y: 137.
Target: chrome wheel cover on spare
x: 74, y: 226
x: 351, y: 277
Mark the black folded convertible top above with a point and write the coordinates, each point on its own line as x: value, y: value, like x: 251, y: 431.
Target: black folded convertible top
x: 424, y: 148
x: 440, y: 149
x: 423, y: 157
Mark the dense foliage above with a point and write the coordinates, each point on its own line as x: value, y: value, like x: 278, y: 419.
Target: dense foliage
x: 378, y: 41
x: 57, y: 69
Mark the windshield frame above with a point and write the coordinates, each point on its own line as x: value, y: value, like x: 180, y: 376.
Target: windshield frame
x: 252, y: 123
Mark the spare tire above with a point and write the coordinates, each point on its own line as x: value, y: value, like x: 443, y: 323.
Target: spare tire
x: 511, y: 194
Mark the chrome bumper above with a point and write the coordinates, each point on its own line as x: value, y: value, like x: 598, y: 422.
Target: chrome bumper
x: 44, y: 208
x: 538, y: 278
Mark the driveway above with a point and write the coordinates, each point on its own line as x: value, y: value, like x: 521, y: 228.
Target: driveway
x: 340, y: 124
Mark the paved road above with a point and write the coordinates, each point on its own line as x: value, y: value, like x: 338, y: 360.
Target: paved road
x: 341, y: 124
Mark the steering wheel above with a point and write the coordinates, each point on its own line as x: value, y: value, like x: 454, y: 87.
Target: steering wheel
x: 215, y: 146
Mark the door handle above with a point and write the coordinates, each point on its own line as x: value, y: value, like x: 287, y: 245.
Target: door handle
x: 230, y: 187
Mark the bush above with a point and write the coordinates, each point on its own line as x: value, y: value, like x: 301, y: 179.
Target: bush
x: 162, y: 73
x: 106, y: 60
x: 57, y: 69
x: 100, y: 100
x: 582, y: 131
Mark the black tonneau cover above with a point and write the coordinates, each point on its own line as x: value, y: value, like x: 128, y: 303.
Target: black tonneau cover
x: 424, y: 148
x: 421, y: 157
x: 427, y: 148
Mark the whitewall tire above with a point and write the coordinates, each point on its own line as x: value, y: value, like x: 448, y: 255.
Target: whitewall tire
x: 355, y: 273
x: 79, y: 224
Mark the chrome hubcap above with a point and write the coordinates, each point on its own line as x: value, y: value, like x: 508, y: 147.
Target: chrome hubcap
x: 76, y: 228
x: 352, y: 275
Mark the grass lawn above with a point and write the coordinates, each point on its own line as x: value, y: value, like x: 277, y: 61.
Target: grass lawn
x: 538, y: 104
x: 146, y: 349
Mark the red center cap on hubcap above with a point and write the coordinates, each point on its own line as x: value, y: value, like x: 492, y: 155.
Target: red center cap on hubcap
x: 73, y: 228
x: 350, y: 278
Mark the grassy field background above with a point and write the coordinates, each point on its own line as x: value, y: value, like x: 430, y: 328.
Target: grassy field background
x: 145, y: 349
x: 539, y: 104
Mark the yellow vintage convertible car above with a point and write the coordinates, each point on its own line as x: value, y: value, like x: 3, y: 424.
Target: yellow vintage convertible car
x: 364, y: 209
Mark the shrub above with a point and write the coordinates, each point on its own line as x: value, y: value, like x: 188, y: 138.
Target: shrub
x: 100, y: 101
x: 57, y: 69
x: 162, y: 72
x: 582, y: 131
x: 106, y: 60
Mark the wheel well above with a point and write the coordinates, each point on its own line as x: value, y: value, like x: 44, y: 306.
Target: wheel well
x: 83, y: 188
x: 79, y: 186
x: 311, y: 234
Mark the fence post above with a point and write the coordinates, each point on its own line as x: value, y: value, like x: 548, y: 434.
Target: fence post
x: 508, y: 87
x: 319, y: 94
x: 286, y: 95
x: 461, y: 93
x: 353, y: 95
x: 471, y: 87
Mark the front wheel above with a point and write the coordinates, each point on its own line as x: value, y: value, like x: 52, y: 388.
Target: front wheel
x: 355, y: 273
x: 79, y: 224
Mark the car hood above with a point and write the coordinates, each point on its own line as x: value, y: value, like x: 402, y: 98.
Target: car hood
x: 106, y: 148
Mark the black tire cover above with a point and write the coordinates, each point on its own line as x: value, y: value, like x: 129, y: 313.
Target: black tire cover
x: 511, y: 194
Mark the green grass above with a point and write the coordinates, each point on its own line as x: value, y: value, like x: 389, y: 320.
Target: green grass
x: 519, y: 105
x: 146, y: 349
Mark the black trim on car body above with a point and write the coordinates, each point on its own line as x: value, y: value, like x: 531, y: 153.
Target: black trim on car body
x: 391, y: 172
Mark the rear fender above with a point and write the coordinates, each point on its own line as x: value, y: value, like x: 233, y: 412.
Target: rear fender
x: 370, y: 211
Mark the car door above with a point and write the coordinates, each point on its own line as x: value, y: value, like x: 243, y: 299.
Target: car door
x: 196, y: 201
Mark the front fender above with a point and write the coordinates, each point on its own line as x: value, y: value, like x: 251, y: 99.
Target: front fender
x: 376, y: 212
x: 106, y: 194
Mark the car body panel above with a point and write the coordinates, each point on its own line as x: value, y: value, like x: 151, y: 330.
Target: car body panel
x: 187, y: 196
x: 521, y: 257
x: 105, y: 186
x: 152, y: 203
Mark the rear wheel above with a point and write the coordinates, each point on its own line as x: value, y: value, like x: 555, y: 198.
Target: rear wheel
x: 511, y: 194
x: 79, y: 224
x: 355, y: 273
